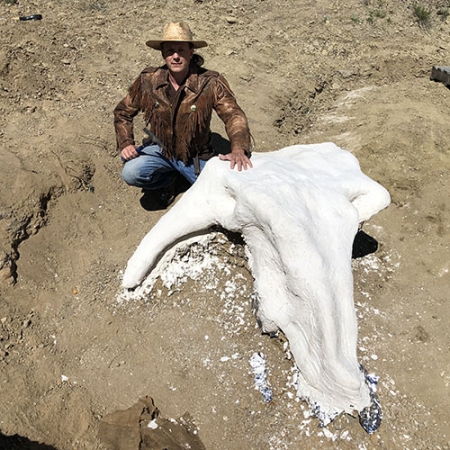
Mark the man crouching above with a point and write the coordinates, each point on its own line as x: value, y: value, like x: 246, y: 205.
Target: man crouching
x: 177, y: 101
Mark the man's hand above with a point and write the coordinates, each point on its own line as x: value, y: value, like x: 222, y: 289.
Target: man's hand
x: 238, y: 159
x: 128, y: 152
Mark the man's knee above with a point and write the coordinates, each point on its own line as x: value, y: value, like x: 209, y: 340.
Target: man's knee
x: 146, y: 176
x: 130, y: 173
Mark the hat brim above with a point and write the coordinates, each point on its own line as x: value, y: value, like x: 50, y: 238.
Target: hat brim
x: 157, y: 44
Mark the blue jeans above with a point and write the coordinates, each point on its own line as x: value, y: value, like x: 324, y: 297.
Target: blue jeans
x: 152, y: 170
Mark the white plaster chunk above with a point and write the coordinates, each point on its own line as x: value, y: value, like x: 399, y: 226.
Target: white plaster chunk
x: 298, y: 210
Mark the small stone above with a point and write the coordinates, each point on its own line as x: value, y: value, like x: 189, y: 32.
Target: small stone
x: 231, y: 19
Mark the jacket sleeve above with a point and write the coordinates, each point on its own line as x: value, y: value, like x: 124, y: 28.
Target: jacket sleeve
x: 234, y: 118
x: 124, y: 113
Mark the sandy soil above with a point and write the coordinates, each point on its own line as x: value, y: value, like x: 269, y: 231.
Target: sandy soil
x: 355, y: 73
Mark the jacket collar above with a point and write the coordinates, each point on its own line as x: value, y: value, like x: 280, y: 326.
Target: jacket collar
x: 192, y: 81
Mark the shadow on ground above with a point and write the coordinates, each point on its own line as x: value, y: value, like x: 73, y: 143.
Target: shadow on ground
x: 363, y: 245
x: 17, y: 442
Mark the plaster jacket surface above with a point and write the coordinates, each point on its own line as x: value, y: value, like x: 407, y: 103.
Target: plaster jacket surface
x: 298, y: 210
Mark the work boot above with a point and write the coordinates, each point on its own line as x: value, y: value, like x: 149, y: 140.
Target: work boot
x: 157, y: 199
x: 166, y: 195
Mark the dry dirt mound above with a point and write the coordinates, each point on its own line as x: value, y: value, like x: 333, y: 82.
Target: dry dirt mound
x: 354, y: 72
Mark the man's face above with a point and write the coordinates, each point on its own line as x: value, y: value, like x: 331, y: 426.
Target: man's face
x: 177, y: 56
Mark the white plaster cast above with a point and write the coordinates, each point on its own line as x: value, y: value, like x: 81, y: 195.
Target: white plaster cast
x: 298, y: 210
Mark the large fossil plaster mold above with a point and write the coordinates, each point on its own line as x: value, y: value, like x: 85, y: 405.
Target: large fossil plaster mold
x: 298, y: 210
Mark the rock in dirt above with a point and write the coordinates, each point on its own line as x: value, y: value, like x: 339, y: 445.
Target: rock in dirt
x: 141, y: 428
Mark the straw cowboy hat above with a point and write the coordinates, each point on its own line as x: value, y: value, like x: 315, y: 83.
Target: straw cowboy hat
x: 176, y: 32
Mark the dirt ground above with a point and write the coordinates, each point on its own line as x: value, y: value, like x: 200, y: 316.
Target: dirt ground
x: 73, y: 350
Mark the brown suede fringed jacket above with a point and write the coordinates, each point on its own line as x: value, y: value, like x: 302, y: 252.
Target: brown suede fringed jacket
x: 183, y: 125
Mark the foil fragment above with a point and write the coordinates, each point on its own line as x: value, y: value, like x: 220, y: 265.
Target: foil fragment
x: 323, y: 417
x: 258, y: 363
x: 370, y: 418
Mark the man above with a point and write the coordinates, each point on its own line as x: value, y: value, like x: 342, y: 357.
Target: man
x: 177, y: 101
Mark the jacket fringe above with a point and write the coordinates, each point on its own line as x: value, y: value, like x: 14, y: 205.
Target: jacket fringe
x: 188, y: 135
